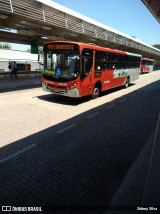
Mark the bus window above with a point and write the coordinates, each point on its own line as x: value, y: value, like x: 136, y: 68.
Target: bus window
x: 126, y: 58
x: 87, y: 62
x: 62, y: 64
x: 126, y: 65
x: 119, y: 57
x: 119, y: 65
x: 111, y: 65
x: 111, y: 57
x: 100, y: 60
x: 130, y: 58
x: 138, y: 59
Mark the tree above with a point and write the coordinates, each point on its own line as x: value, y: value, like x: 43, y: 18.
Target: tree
x: 5, y: 45
x: 157, y: 46
x: 157, y: 61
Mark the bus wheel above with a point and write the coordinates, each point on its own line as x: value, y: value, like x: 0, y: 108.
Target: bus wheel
x: 96, y: 92
x: 127, y: 83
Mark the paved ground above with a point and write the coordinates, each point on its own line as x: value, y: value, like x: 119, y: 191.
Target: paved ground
x: 70, y: 154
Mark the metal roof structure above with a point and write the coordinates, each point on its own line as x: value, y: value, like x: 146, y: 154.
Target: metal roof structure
x: 154, y: 7
x: 45, y: 18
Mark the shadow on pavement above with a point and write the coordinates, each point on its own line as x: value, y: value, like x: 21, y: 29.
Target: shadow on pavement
x: 78, y: 165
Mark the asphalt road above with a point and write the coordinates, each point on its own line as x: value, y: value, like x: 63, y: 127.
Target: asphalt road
x: 73, y: 154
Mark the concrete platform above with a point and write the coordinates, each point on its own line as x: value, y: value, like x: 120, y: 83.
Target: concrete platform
x: 21, y: 82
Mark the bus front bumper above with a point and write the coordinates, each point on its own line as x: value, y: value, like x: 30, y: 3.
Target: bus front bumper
x: 68, y: 93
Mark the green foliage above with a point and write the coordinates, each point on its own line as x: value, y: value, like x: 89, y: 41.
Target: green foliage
x: 157, y: 61
x: 157, y: 46
x: 5, y: 45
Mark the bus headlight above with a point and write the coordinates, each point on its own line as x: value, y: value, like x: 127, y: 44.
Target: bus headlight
x: 73, y: 86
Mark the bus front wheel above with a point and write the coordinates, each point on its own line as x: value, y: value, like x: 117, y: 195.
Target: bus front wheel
x: 96, y: 92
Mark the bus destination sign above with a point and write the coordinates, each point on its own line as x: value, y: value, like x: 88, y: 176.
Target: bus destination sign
x: 60, y: 47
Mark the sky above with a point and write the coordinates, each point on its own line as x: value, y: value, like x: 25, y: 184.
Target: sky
x: 127, y: 16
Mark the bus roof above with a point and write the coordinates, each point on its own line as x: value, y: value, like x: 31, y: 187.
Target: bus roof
x: 93, y: 46
x: 147, y: 59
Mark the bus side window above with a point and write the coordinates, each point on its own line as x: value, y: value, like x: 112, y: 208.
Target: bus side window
x: 119, y: 65
x: 87, y: 62
x: 111, y: 66
x: 100, y: 60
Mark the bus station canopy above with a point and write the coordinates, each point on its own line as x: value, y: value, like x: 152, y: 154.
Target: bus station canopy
x: 154, y: 7
x: 45, y: 19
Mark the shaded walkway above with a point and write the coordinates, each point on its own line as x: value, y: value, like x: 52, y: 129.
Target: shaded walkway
x: 22, y: 82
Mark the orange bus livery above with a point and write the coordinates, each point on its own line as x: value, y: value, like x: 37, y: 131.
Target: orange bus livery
x: 146, y: 65
x: 76, y: 69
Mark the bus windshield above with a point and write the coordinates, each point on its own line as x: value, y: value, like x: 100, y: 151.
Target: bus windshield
x: 63, y: 64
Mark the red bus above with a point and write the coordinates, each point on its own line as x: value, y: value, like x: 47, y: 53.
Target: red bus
x: 76, y: 69
x: 146, y: 65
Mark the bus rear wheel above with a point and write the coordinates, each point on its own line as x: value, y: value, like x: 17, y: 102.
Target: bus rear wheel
x: 127, y: 82
x: 96, y: 92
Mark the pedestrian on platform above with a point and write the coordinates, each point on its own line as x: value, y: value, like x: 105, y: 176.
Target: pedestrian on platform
x: 14, y: 69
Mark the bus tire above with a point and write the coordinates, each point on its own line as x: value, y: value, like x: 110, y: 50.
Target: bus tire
x: 96, y: 91
x: 127, y: 82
